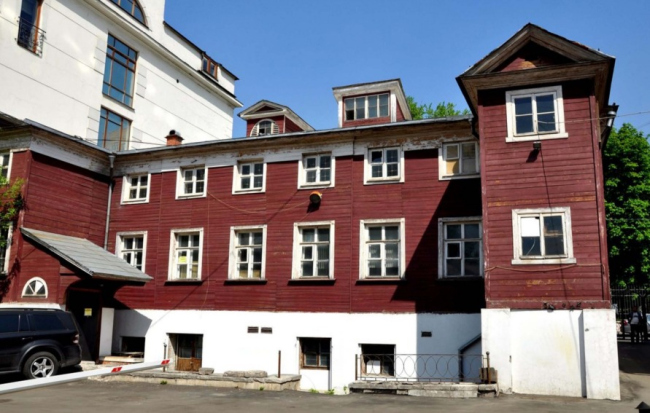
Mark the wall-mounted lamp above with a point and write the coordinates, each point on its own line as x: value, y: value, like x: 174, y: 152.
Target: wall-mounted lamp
x: 537, y: 145
x: 315, y: 197
x: 611, y: 114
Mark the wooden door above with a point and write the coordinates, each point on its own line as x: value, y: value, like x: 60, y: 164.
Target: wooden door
x: 86, y: 307
x: 189, y: 352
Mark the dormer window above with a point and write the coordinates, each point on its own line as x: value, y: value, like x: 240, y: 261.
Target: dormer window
x: 366, y: 107
x: 535, y: 114
x: 132, y: 7
x: 265, y: 127
x: 209, y: 66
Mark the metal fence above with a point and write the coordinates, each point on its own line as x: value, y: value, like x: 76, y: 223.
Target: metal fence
x: 624, y: 299
x: 453, y: 368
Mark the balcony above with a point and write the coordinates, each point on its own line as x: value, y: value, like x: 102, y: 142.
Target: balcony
x: 30, y: 37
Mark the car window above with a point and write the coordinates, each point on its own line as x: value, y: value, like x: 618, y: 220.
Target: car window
x: 45, y: 322
x: 8, y: 323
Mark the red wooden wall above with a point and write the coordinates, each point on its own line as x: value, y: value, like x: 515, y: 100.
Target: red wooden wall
x: 564, y: 174
x: 421, y: 200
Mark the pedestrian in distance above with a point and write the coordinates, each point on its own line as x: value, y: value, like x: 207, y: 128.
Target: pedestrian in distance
x: 636, y: 324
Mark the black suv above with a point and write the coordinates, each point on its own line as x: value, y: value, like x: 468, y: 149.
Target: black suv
x: 37, y: 341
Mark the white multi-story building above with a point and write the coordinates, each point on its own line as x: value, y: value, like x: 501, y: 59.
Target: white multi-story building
x: 112, y: 72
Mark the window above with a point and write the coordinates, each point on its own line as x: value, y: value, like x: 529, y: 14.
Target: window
x: 9, y: 323
x: 191, y: 183
x: 315, y: 353
x: 136, y: 188
x: 366, y: 107
x: 119, y: 71
x: 460, y: 249
x: 384, y: 164
x: 131, y: 248
x: 186, y: 254
x: 30, y: 36
x: 35, y: 288
x: 459, y: 160
x: 4, y: 164
x: 45, y: 322
x: 535, y: 114
x: 247, y: 253
x: 265, y: 127
x: 210, y: 67
x: 249, y: 177
x: 313, y: 250
x: 6, y: 231
x: 542, y: 236
x: 382, y: 249
x: 316, y: 170
x: 113, y: 131
x: 133, y: 8
x: 378, y: 359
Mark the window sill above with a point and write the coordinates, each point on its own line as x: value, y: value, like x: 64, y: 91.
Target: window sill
x: 190, y: 196
x: 183, y: 281
x: 318, y: 185
x: 452, y: 177
x: 460, y: 278
x: 248, y: 191
x: 312, y: 280
x: 135, y: 202
x: 245, y: 281
x: 381, y: 280
x: 544, y: 261
x: 530, y: 138
x: 384, y: 181
x: 313, y: 368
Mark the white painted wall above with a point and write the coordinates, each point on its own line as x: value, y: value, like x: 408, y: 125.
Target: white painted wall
x: 228, y: 346
x: 106, y: 332
x: 560, y: 353
x: 62, y: 89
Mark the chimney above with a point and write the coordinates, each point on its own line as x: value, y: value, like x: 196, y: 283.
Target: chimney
x: 174, y: 138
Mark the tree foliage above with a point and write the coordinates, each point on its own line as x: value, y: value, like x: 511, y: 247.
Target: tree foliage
x: 11, y: 202
x: 427, y: 111
x: 626, y: 163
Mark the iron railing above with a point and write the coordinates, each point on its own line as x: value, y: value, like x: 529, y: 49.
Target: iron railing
x: 30, y: 37
x: 453, y: 368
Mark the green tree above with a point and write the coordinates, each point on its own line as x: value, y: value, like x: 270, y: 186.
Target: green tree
x: 626, y: 164
x: 427, y: 111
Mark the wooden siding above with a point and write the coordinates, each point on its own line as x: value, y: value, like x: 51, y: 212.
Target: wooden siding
x: 290, y: 126
x: 421, y: 200
x: 250, y: 124
x: 59, y: 198
x: 564, y: 174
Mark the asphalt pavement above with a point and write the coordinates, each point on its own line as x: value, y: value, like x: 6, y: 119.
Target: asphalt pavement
x: 100, y: 397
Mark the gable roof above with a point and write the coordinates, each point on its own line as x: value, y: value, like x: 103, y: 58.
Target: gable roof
x: 266, y: 108
x: 567, y: 60
x: 87, y: 257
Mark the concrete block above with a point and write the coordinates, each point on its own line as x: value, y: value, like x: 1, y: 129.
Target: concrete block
x: 247, y: 374
x: 206, y: 371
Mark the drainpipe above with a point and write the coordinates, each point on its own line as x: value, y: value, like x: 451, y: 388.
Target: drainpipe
x: 111, y: 160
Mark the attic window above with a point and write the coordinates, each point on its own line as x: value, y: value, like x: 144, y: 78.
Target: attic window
x: 535, y: 114
x: 366, y: 107
x: 133, y: 8
x: 209, y: 66
x: 265, y: 127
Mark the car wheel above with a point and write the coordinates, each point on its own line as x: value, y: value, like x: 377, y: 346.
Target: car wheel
x: 39, y: 365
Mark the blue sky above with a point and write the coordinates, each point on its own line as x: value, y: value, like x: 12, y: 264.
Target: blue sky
x: 294, y: 51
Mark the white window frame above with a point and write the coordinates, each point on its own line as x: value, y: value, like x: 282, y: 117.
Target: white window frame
x: 126, y: 188
x: 442, y: 251
x: 9, y: 155
x: 232, y: 261
x: 297, y: 249
x: 172, y: 253
x: 47, y: 291
x: 302, y: 171
x: 442, y: 161
x: 367, y: 173
x: 559, y: 133
x: 566, y: 258
x: 5, y: 262
x: 255, y: 131
x: 363, y: 247
x: 236, y: 184
x: 131, y: 234
x: 180, y: 182
x: 366, y: 106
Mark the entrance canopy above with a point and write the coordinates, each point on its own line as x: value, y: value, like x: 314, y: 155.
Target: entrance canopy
x: 87, y: 257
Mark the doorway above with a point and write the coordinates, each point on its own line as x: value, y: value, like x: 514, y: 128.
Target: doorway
x: 188, y: 349
x: 86, y: 307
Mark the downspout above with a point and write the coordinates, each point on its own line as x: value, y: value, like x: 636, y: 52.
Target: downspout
x: 111, y: 160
